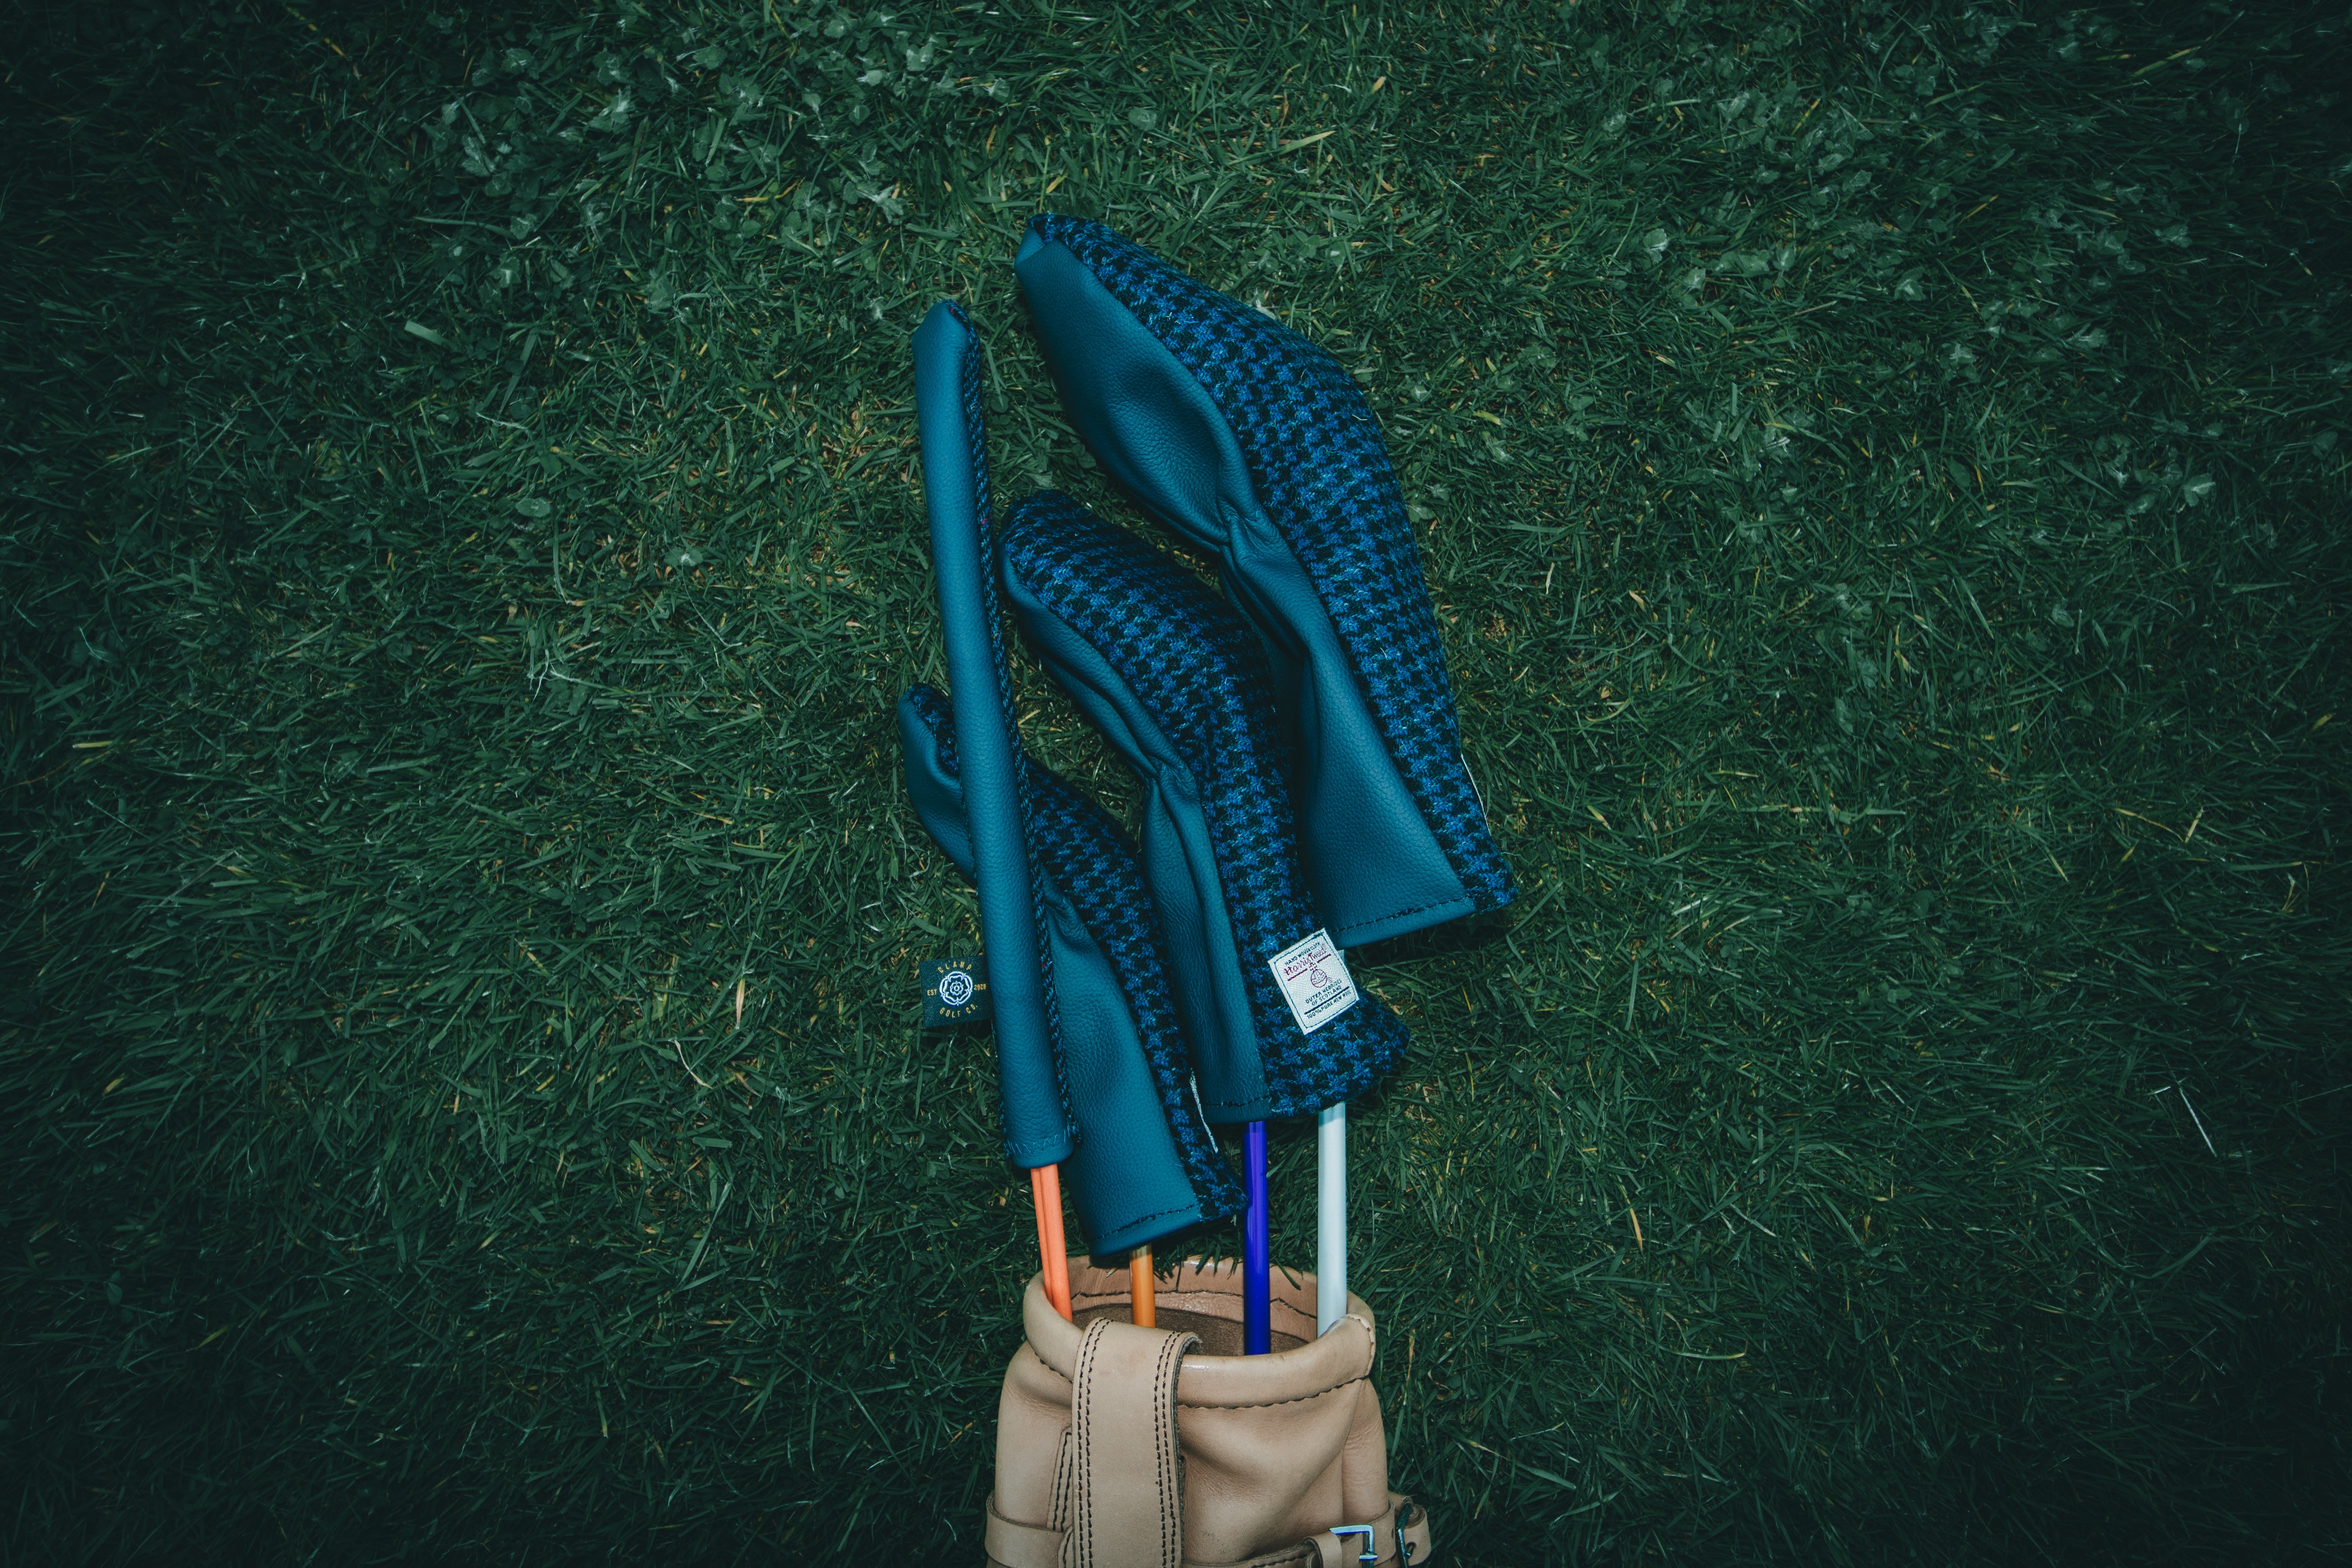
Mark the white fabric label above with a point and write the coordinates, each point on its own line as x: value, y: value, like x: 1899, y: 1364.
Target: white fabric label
x: 1315, y: 980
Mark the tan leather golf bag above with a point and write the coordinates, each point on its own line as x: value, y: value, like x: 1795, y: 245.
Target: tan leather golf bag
x: 1125, y: 1448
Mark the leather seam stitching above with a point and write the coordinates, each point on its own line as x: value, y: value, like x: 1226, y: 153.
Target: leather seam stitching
x: 1163, y: 1422
x: 1414, y: 909
x: 1277, y: 1404
x: 1065, y: 1482
x: 1041, y: 1361
x: 1163, y: 1214
x: 1090, y: 1351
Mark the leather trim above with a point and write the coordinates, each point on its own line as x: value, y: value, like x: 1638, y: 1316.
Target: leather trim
x: 1340, y: 1357
x: 1065, y: 1481
x: 1126, y: 1506
x: 1346, y: 1388
x: 1011, y: 1545
x: 1030, y: 1350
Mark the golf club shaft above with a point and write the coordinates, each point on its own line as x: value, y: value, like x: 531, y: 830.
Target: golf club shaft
x: 1146, y: 1313
x: 1045, y: 1189
x: 1331, y: 1216
x: 1257, y: 1326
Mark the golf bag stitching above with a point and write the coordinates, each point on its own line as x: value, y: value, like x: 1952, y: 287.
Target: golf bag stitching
x: 1277, y: 1404
x: 1163, y: 1434
x: 1064, y: 1478
x: 1031, y: 1351
x: 1090, y: 1393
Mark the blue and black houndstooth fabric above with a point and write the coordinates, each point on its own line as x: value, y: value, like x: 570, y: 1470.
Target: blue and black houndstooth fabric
x: 1081, y: 850
x: 1316, y: 456
x: 1196, y: 665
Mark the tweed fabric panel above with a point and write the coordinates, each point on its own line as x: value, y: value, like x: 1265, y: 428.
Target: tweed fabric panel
x: 1085, y: 852
x: 1316, y: 456
x: 1196, y: 667
x: 991, y: 610
x: 1073, y: 842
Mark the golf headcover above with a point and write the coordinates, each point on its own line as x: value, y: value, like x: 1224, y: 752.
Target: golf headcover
x: 1178, y: 683
x: 1031, y: 1095
x: 1255, y: 444
x: 1145, y: 1166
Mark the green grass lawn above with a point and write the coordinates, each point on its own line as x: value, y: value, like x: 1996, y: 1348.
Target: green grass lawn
x: 1882, y: 472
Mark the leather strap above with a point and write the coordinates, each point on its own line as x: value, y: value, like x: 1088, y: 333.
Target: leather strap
x: 1126, y: 1505
x: 1011, y: 1545
x: 1412, y: 1527
x: 1336, y: 1550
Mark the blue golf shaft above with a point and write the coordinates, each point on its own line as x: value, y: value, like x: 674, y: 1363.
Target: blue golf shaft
x: 1257, y: 1236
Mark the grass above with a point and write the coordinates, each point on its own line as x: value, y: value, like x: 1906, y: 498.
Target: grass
x: 1882, y: 471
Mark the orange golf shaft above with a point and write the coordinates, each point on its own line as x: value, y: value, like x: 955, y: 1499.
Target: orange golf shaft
x: 1045, y: 1188
x: 1146, y: 1313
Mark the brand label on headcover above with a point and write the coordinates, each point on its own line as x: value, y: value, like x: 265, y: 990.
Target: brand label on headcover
x: 1315, y: 980
x: 955, y: 991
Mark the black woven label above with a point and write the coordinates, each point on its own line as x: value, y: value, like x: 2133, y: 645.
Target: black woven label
x: 955, y: 992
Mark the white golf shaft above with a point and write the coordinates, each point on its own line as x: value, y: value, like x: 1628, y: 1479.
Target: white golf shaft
x: 1331, y: 1216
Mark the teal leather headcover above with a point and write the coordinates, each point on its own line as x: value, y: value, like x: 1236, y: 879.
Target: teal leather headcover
x: 1391, y: 834
x: 1037, y: 1128
x: 1176, y: 682
x: 1144, y: 1167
